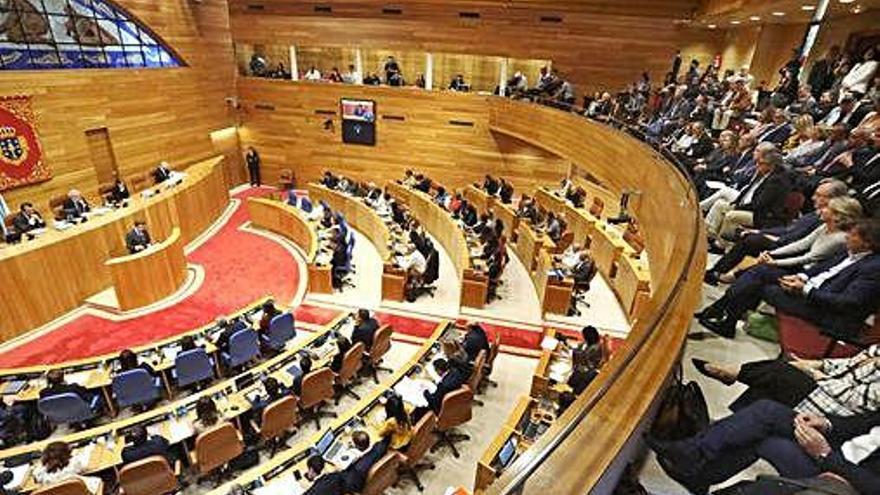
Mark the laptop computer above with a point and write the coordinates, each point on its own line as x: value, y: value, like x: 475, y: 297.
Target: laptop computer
x: 245, y: 380
x: 325, y: 443
x: 507, y: 451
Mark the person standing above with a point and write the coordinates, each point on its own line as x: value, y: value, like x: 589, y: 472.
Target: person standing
x: 253, y: 165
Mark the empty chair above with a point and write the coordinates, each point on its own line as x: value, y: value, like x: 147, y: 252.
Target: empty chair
x: 192, y: 367
x: 422, y: 439
x: 381, y: 346
x: 280, y: 332
x: 279, y: 419
x: 136, y: 387
x: 476, y: 377
x: 215, y: 448
x: 597, y: 207
x: 351, y: 364
x: 68, y: 408
x: 317, y: 389
x: 454, y: 411
x: 286, y: 180
x: 149, y: 476
x: 244, y: 347
x: 382, y: 475
x: 73, y: 486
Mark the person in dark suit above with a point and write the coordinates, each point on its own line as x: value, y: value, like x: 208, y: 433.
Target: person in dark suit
x: 452, y: 377
x: 837, y: 294
x: 119, y: 193
x: 582, y: 373
x: 505, y: 193
x: 188, y: 343
x: 75, y: 206
x: 753, y: 242
x: 343, y: 345
x: 252, y: 158
x: 356, y: 473
x: 490, y: 185
x: 128, y: 360
x: 55, y: 385
x: 584, y: 271
x: 138, y: 238
x: 162, y: 173
x: 340, y: 263
x: 269, y: 311
x: 27, y: 219
x: 326, y: 484
x: 305, y: 364
x: 227, y: 330
x: 474, y: 341
x: 329, y: 180
x: 798, y: 445
x: 821, y: 76
x: 423, y: 183
x: 364, y: 330
x: 779, y: 131
x: 140, y: 446
x: 275, y: 391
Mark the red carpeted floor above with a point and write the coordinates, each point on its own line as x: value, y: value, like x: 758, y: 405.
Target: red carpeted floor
x: 240, y: 268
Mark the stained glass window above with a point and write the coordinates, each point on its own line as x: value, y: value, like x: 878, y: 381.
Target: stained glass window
x: 66, y: 34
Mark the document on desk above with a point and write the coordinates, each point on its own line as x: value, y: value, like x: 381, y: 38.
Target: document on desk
x: 177, y: 430
x: 19, y: 474
x: 549, y: 343
x: 79, y: 378
x: 284, y: 485
x: 413, y: 391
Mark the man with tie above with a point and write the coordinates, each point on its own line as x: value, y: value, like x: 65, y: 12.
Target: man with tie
x: 75, y: 206
x: 28, y: 219
x: 837, y: 295
x: 162, y: 172
x: 138, y: 238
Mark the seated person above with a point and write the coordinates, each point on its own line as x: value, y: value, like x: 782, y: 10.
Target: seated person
x: 474, y: 341
x: 207, y: 416
x: 397, y: 429
x: 343, y: 345
x: 582, y: 371
x: 841, y: 387
x: 570, y: 257
x: 162, y: 173
x: 140, y: 446
x: 269, y: 311
x: 227, y: 329
x: 305, y: 365
x: 527, y: 209
x: 138, y: 238
x: 451, y: 379
x: 593, y: 346
x: 128, y: 360
x: 414, y: 264
x: 55, y: 385
x: 505, y: 192
x: 28, y: 219
x: 57, y: 465
x: 188, y: 343
x: 798, y: 445
x: 837, y: 294
x: 423, y: 183
x: 583, y: 272
x: 323, y: 484
x: 752, y: 242
x: 356, y: 474
x: 469, y: 215
x: 119, y: 193
x: 458, y: 84
x: 556, y: 226
x: 75, y: 206
x: 329, y: 180
x: 340, y: 263
x: 490, y: 185
x: 275, y: 391
x: 364, y: 329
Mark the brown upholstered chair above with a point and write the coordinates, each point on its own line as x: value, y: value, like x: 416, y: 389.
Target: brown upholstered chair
x: 215, y: 448
x: 494, y: 349
x: 454, y: 411
x: 317, y: 389
x: 55, y: 205
x: 635, y: 241
x: 287, y: 180
x: 423, y: 439
x: 598, y: 207
x: 381, y: 346
x: 139, y: 182
x: 279, y: 420
x: 476, y: 377
x: 348, y: 373
x: 150, y: 476
x: 382, y: 475
x: 73, y: 486
x: 564, y: 242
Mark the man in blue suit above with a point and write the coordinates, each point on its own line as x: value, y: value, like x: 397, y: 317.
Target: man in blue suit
x: 837, y: 294
x: 356, y: 473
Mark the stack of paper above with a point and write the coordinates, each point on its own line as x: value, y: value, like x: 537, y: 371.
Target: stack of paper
x: 284, y: 485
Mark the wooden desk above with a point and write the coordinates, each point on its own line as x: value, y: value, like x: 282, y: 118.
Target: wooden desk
x: 153, y: 274
x: 554, y: 295
x: 503, y: 212
x: 478, y: 197
x: 529, y: 243
x: 56, y: 272
x: 440, y: 224
x: 287, y: 221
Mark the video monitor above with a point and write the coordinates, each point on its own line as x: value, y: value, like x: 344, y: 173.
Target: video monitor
x: 358, y: 121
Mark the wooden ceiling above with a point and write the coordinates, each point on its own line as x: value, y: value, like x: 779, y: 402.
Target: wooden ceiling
x: 732, y: 13
x: 376, y: 8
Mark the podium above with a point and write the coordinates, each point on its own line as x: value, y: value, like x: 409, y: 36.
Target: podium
x: 151, y: 275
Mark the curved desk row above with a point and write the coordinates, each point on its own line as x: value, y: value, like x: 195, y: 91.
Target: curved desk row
x: 365, y: 220
x: 174, y: 420
x: 367, y: 414
x: 291, y: 223
x: 441, y: 225
x: 56, y: 272
x: 151, y: 275
x: 504, y: 212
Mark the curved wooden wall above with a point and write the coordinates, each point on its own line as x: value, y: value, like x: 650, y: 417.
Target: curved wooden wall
x: 358, y: 215
x: 56, y: 272
x: 592, y: 433
x: 143, y: 278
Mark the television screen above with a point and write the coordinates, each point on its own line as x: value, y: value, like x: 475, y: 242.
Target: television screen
x: 358, y: 121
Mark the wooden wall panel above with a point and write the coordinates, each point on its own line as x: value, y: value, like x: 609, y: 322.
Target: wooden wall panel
x: 151, y: 114
x: 599, y: 45
x: 293, y: 136
x: 773, y: 50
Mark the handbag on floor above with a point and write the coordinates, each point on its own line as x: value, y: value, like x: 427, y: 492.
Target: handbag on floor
x: 683, y: 412
x: 763, y: 326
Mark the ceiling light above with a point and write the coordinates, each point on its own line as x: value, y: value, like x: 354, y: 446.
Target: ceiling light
x: 734, y: 22
x: 755, y: 18
x: 857, y: 9
x: 779, y: 14
x: 808, y: 7
x: 711, y: 26
x: 846, y: 1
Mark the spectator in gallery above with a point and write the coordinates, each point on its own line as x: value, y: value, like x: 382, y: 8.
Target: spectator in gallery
x: 252, y: 158
x: 334, y: 76
x: 351, y: 76
x: 458, y: 83
x: 391, y: 69
x: 313, y: 74
x: 372, y: 80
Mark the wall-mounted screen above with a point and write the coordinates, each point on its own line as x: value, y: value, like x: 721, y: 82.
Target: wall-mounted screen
x: 358, y: 121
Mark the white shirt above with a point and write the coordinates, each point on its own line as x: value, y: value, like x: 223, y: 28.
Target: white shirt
x: 857, y: 449
x: 353, y: 77
x: 817, y: 280
x: 747, y: 195
x: 571, y: 257
x: 416, y: 261
x: 312, y: 75
x: 858, y: 78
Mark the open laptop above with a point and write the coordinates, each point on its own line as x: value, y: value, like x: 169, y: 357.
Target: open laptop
x: 245, y: 380
x: 507, y: 452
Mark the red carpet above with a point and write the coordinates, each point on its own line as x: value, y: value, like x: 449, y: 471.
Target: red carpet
x: 240, y: 268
